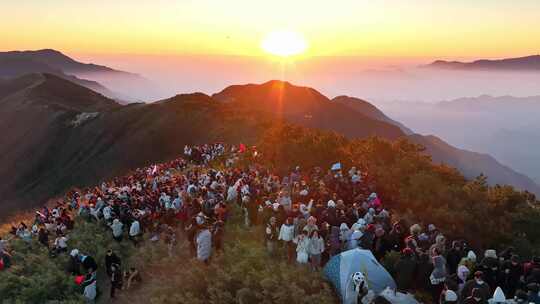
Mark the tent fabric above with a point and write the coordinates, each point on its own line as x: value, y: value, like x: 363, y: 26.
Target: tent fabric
x: 341, y: 267
x: 336, y: 166
x: 391, y: 296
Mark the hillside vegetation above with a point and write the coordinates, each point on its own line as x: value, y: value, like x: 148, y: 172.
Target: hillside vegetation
x: 416, y: 190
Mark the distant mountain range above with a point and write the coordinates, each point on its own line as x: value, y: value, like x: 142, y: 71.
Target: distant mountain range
x: 59, y: 134
x: 528, y: 63
x: 488, y: 103
x: 92, y: 76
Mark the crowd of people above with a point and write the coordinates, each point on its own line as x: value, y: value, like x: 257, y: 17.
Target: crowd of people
x: 307, y: 216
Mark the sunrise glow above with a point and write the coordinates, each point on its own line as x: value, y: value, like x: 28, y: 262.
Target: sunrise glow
x: 284, y: 43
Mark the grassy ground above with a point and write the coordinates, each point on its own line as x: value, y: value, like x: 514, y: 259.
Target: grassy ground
x: 243, y: 273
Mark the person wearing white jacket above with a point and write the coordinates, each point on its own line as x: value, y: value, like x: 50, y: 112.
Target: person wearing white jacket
x: 315, y: 249
x: 286, y: 234
x: 134, y: 231
x: 117, y: 231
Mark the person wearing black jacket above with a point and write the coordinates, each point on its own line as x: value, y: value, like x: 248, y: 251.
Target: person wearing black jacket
x: 116, y: 279
x: 110, y: 259
x: 454, y: 256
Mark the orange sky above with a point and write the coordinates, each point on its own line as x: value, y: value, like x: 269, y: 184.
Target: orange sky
x: 386, y: 28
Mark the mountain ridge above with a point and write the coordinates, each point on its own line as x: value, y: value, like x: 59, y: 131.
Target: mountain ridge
x: 60, y: 134
x: 96, y: 77
x: 525, y: 63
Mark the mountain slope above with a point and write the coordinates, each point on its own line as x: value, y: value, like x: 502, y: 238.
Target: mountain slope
x: 307, y: 107
x: 528, y: 63
x: 126, y: 85
x: 59, y: 134
x: 369, y: 110
x: 55, y: 60
x: 16, y: 66
x: 471, y: 164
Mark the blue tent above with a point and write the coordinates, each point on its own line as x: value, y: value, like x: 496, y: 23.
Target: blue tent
x: 341, y: 267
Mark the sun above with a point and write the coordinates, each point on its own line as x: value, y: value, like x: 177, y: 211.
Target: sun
x: 284, y: 43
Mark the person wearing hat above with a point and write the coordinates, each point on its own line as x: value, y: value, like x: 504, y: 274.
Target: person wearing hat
x: 477, y: 283
x: 74, y: 263
x: 331, y: 214
x: 490, y: 267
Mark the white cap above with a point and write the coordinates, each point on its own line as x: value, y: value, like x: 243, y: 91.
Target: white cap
x: 74, y: 252
x: 331, y: 203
